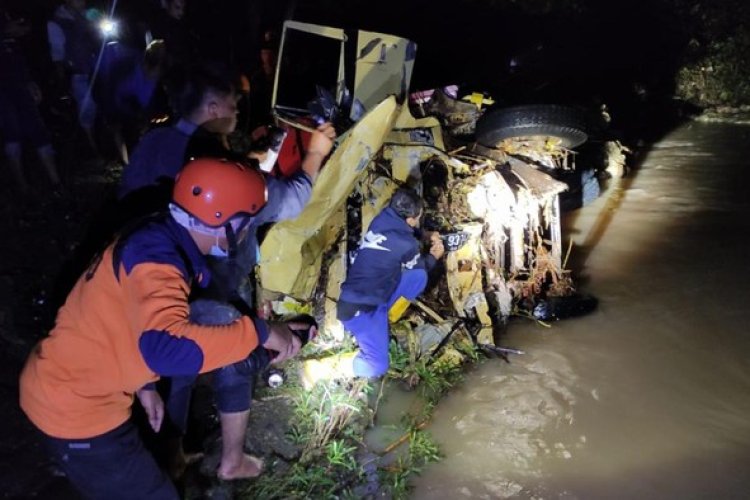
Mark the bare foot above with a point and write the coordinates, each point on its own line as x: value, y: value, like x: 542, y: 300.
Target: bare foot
x: 249, y: 467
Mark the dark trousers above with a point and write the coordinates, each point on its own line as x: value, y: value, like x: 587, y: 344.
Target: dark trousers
x: 112, y: 466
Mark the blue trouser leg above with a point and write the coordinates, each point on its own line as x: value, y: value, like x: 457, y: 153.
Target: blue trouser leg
x: 371, y: 329
x: 232, y: 386
x: 112, y: 466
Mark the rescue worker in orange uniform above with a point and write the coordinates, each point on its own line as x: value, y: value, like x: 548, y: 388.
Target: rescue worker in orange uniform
x: 126, y: 323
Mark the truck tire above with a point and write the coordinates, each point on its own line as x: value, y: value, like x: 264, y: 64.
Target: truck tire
x: 565, y: 123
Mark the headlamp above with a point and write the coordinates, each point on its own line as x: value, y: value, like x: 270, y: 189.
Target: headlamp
x: 108, y: 27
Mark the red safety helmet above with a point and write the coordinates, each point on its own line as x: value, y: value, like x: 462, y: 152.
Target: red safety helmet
x: 214, y: 191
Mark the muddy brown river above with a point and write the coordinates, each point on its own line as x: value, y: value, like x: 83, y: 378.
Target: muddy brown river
x: 648, y: 397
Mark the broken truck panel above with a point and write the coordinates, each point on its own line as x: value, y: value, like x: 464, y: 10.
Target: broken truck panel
x: 291, y: 252
x: 422, y: 130
x: 376, y: 190
x: 406, y: 161
x: 311, y: 55
x: 384, y: 67
x: 465, y: 281
x: 541, y: 185
x: 303, y: 45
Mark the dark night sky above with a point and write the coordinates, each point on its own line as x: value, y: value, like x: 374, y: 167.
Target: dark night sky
x: 468, y: 30
x: 599, y: 49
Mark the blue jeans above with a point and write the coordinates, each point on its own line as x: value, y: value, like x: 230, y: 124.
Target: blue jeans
x: 371, y: 328
x: 112, y: 466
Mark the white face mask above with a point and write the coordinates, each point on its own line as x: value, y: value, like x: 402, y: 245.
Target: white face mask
x: 217, y: 251
x: 187, y: 221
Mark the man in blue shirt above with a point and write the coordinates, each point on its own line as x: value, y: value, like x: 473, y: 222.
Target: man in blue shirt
x: 206, y: 95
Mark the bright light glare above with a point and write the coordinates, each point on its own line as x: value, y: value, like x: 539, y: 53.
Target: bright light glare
x: 108, y: 27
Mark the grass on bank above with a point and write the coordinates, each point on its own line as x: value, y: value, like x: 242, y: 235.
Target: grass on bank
x: 329, y: 425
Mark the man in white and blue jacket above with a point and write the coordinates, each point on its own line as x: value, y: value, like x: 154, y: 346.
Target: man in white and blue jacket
x: 388, y: 273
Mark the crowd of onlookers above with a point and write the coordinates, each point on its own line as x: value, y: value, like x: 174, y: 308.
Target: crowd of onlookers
x: 100, y: 76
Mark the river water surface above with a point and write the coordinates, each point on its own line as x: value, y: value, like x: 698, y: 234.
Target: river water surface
x: 648, y: 397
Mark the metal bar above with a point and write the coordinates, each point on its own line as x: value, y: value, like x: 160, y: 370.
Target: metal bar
x: 429, y: 311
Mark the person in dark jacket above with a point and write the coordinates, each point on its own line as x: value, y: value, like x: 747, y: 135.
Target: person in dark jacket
x: 127, y: 82
x: 388, y: 272
x: 73, y: 48
x: 169, y: 24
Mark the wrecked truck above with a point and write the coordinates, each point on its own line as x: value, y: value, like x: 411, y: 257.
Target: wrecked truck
x: 482, y: 175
